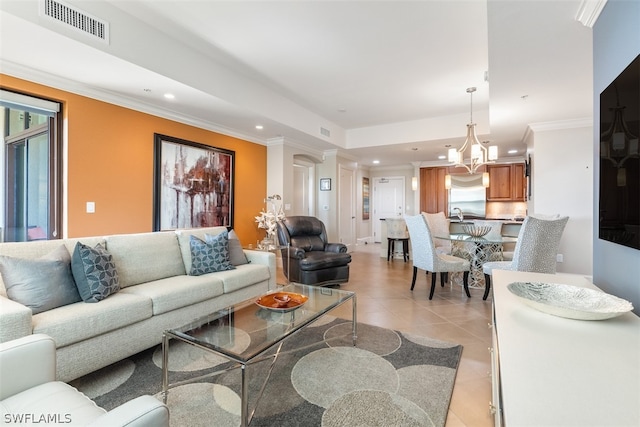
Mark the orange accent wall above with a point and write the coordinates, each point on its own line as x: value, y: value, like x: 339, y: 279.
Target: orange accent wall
x: 109, y: 161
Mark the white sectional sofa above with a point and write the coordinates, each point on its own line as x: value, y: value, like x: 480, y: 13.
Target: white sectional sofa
x: 156, y: 293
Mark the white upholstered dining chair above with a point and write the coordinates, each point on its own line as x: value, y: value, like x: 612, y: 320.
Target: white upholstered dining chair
x: 439, y: 226
x: 536, y: 248
x: 425, y: 256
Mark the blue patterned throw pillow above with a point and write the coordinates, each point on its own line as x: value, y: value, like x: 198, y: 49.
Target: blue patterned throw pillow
x: 211, y: 255
x: 95, y: 272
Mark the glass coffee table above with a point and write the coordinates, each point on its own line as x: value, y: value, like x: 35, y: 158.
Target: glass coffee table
x: 267, y: 328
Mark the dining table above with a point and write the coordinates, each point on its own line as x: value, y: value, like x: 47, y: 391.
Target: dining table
x: 477, y: 250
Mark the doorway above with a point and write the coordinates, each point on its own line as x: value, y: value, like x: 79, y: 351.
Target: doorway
x: 388, y: 201
x: 347, y: 208
x: 302, y: 202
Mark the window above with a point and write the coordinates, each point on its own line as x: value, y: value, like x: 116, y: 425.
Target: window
x: 31, y: 167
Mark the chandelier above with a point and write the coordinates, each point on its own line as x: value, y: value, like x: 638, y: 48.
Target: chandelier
x: 478, y: 154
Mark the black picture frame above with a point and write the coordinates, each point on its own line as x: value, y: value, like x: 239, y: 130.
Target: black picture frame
x: 193, y: 184
x: 325, y: 184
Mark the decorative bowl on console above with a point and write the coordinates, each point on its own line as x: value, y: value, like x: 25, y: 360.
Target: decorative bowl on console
x: 569, y: 301
x: 476, y: 231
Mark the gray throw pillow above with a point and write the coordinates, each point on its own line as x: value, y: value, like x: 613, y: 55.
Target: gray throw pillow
x: 236, y: 253
x: 95, y: 272
x: 40, y: 284
x: 211, y: 255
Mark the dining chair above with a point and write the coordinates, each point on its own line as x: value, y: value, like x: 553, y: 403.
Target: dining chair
x: 536, y: 248
x: 439, y: 226
x: 397, y: 232
x: 425, y: 256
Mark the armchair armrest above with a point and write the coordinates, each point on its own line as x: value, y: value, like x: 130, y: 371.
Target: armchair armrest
x: 335, y: 247
x: 294, y: 252
x: 25, y: 363
x: 142, y: 411
x: 15, y: 320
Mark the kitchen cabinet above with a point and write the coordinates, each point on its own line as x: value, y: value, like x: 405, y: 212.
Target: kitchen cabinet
x: 507, y: 183
x: 433, y: 195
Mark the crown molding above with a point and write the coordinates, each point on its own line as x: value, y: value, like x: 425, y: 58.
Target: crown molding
x: 559, y: 125
x: 588, y: 11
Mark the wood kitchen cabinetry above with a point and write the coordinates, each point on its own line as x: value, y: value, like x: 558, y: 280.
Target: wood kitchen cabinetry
x: 433, y: 195
x: 507, y: 183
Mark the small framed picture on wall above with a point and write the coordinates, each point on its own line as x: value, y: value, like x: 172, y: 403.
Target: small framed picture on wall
x: 325, y: 184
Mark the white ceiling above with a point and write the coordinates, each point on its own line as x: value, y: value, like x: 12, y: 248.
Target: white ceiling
x: 382, y: 76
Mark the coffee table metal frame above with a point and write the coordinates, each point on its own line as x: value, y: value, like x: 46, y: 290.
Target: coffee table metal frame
x: 321, y: 301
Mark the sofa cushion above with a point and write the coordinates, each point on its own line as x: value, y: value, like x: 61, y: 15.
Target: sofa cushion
x: 220, y: 245
x: 95, y: 273
x: 39, y: 248
x: 77, y: 322
x: 236, y: 253
x: 184, y: 238
x: 40, y: 284
x: 209, y: 256
x: 243, y: 276
x: 178, y: 291
x: 145, y: 257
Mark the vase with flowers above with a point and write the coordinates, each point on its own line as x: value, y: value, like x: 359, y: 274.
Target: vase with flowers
x: 269, y: 217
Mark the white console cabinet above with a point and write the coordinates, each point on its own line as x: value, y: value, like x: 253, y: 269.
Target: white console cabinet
x: 552, y: 371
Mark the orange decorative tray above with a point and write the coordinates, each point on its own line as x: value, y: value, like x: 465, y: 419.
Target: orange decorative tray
x: 281, y: 301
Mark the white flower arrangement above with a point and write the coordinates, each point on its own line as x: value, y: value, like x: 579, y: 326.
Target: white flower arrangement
x: 267, y: 220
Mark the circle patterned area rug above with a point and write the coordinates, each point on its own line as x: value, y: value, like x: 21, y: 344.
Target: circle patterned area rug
x: 389, y: 379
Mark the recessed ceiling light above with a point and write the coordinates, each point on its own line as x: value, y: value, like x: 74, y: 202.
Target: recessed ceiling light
x: 259, y: 127
x: 441, y: 157
x: 512, y: 151
x: 375, y: 162
x: 169, y: 95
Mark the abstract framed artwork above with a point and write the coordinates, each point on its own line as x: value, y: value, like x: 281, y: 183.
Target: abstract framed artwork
x: 193, y: 184
x: 365, y: 198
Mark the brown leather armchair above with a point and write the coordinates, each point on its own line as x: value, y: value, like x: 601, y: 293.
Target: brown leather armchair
x: 310, y: 259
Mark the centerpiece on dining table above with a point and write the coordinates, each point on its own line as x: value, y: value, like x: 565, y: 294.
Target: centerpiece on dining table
x: 476, y: 230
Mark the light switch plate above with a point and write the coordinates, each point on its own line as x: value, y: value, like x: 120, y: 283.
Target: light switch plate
x: 91, y: 207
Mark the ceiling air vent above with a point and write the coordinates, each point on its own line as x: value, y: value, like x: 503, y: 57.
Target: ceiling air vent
x: 325, y: 132
x: 75, y: 18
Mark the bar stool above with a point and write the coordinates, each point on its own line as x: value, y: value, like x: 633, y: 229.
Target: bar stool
x: 397, y: 232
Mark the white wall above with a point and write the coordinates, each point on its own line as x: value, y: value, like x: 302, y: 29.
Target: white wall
x: 562, y: 179
x: 616, y: 42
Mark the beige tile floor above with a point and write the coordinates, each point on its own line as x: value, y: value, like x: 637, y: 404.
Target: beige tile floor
x: 384, y: 299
